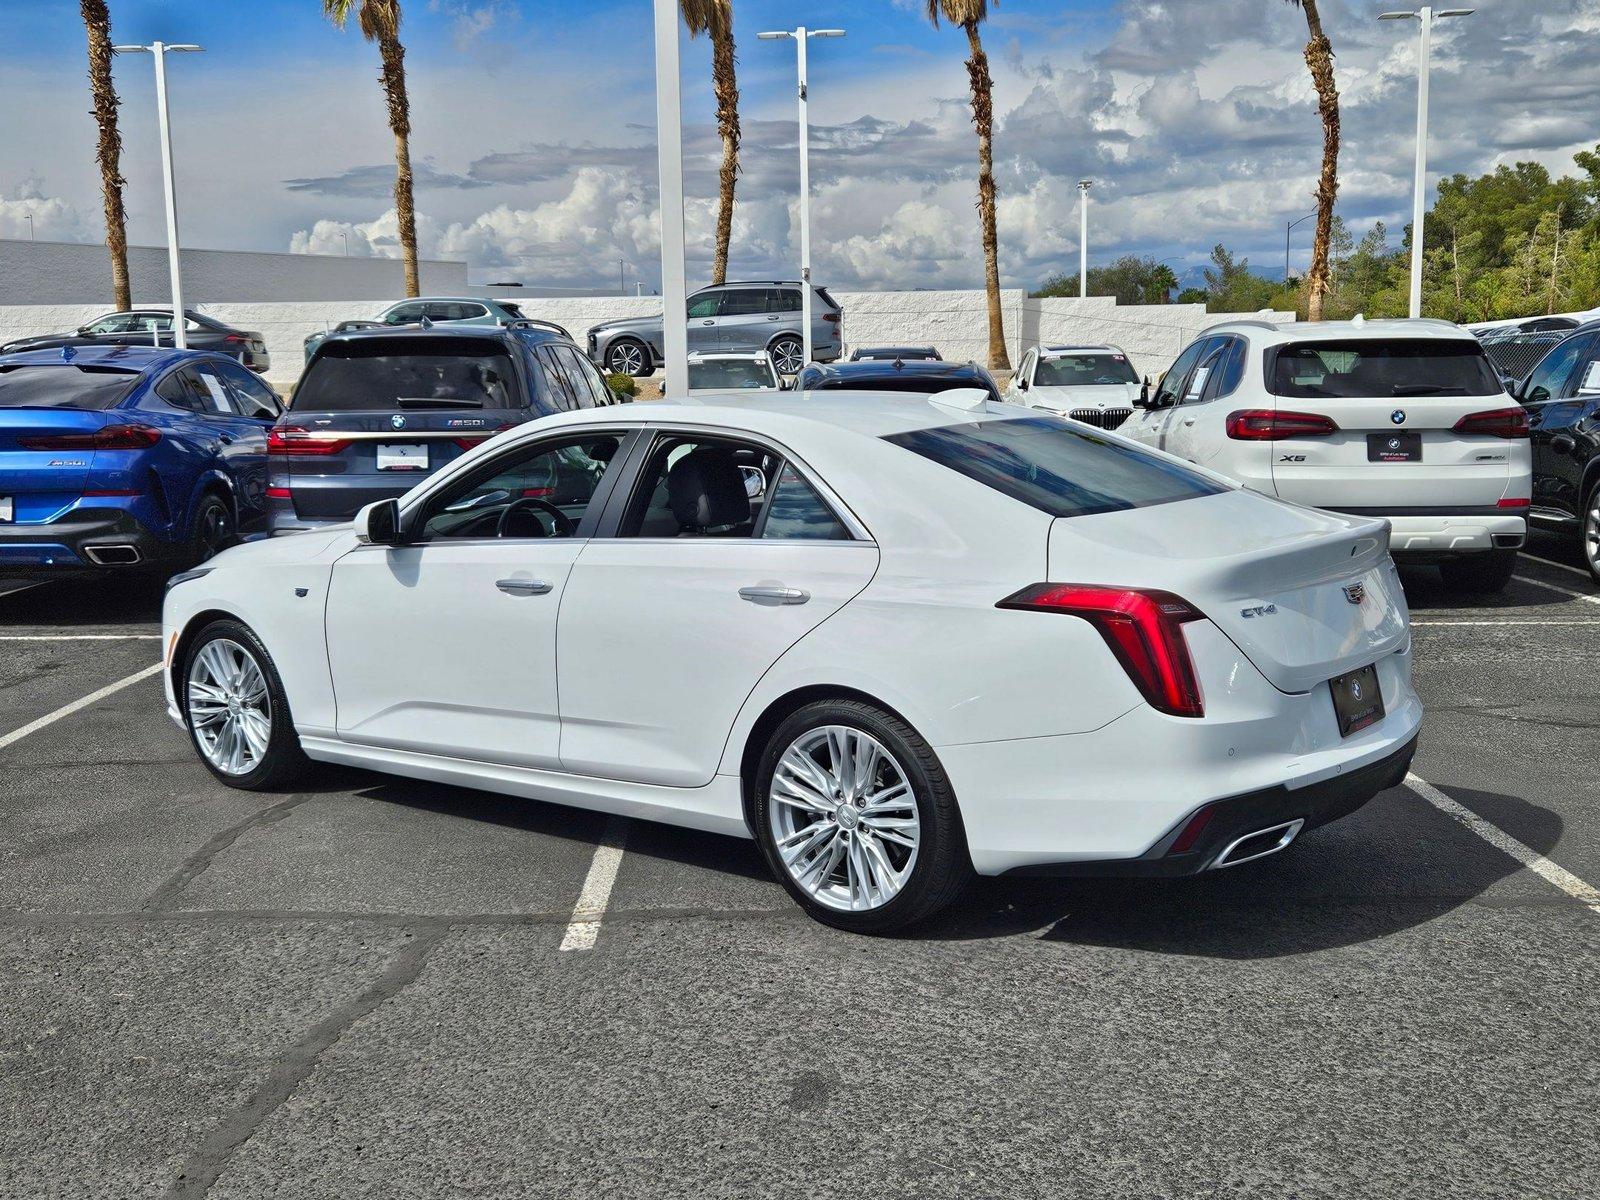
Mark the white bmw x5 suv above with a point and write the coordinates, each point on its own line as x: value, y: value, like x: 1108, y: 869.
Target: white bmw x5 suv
x: 1404, y: 420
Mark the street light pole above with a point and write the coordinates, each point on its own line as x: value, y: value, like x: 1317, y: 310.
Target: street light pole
x: 1287, y: 228
x: 1425, y: 16
x: 1083, y: 236
x: 159, y: 51
x: 802, y: 36
x: 669, y: 164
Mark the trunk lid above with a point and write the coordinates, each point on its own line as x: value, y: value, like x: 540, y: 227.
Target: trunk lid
x: 41, y: 482
x: 1272, y: 576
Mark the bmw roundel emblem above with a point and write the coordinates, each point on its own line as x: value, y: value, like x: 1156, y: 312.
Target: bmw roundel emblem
x: 1355, y: 690
x: 1398, y: 416
x: 399, y: 422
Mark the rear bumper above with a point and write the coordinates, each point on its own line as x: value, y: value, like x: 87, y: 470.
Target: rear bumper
x: 89, y: 540
x: 1292, y: 811
x: 1447, y: 532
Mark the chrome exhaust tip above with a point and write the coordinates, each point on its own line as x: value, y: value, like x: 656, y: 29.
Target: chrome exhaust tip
x: 112, y: 556
x: 1258, y: 844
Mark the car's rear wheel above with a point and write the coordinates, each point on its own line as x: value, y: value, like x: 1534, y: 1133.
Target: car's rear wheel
x: 628, y: 357
x: 788, y: 355
x: 857, y: 818
x: 1485, y: 572
x: 234, y: 705
x: 1591, y: 532
x: 212, y: 530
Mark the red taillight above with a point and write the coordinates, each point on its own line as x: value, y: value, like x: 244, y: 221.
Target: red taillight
x: 831, y: 317
x: 110, y: 437
x: 291, y: 439
x: 234, y: 337
x: 1514, y: 502
x: 470, y: 440
x: 279, y: 493
x: 1142, y: 628
x: 1273, y: 425
x: 1496, y: 422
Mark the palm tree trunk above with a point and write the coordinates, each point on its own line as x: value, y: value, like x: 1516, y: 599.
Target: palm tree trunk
x: 394, y: 90
x: 983, y: 121
x: 1319, y: 57
x: 726, y: 85
x: 97, y: 22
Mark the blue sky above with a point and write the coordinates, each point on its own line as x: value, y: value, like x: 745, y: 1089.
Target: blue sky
x: 534, y: 129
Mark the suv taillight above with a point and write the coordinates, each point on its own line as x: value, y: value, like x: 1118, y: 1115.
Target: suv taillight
x: 291, y: 439
x: 469, y: 441
x: 831, y: 316
x: 1144, y: 630
x: 1273, y: 425
x: 1495, y: 422
x: 110, y: 437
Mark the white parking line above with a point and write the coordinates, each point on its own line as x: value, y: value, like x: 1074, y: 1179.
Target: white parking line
x: 66, y: 710
x: 584, y: 927
x: 1589, y: 596
x: 1415, y: 624
x: 13, y: 589
x: 1501, y: 840
x: 80, y: 637
x: 1550, y: 562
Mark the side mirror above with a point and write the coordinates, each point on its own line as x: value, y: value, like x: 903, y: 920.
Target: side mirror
x: 378, y: 524
x: 1022, y: 384
x: 1144, y: 393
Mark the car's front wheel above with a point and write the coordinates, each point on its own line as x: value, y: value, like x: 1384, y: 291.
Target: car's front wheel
x: 857, y: 819
x: 234, y: 705
x: 1489, y: 571
x: 628, y: 357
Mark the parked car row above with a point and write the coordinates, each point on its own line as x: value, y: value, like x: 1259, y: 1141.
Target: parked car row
x: 153, y: 327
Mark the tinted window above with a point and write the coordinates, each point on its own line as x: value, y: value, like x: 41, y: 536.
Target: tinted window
x: 252, y: 397
x: 1548, y: 380
x: 796, y: 511
x: 785, y: 300
x: 1084, y: 370
x: 64, y: 386
x: 1194, y: 390
x: 560, y: 390
x: 116, y: 323
x: 1167, y: 393
x: 584, y: 372
x: 744, y: 301
x: 406, y: 314
x: 705, y: 304
x: 731, y: 373
x: 566, y: 361
x: 214, y: 397
x: 700, y: 488
x: 1057, y: 467
x: 1421, y: 367
x: 179, y: 389
x: 521, y: 496
x: 387, y: 373
x: 1232, y: 369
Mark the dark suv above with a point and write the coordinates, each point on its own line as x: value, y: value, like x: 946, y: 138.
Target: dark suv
x: 378, y: 410
x: 743, y: 318
x: 1562, y: 396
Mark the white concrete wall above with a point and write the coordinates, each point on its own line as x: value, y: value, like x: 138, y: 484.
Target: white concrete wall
x: 76, y: 273
x: 956, y: 322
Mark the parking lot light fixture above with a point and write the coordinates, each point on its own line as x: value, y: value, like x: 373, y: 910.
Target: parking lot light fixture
x: 1083, y: 236
x: 1288, y: 228
x: 1425, y: 16
x: 801, y: 36
x: 159, y: 51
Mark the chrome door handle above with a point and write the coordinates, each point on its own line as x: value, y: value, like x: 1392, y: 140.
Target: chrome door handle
x: 774, y: 317
x: 522, y: 587
x: 774, y: 595
x: 710, y: 322
x: 1188, y: 421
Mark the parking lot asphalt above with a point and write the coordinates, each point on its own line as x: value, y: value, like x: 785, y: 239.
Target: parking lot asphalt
x: 359, y: 989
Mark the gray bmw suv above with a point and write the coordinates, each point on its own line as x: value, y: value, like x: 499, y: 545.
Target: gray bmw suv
x: 729, y: 317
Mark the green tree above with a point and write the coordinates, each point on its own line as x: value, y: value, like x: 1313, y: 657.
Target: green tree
x: 1131, y: 279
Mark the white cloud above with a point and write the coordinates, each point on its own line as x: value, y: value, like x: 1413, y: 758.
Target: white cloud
x: 53, y: 218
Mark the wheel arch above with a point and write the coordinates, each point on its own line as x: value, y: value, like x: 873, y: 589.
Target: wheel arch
x: 186, y: 636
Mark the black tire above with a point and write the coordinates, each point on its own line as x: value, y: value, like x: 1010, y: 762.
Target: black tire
x: 283, y: 761
x: 618, y: 352
x: 786, y: 343
x: 943, y: 865
x: 1487, y: 571
x: 1589, y: 531
x: 211, y: 531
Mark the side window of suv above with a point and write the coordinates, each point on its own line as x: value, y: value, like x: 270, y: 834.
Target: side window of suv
x: 252, y: 397
x: 742, y: 302
x: 1179, y: 371
x: 1230, y: 369
x: 1550, y: 379
x: 704, y: 305
x: 404, y: 314
x: 178, y: 390
x: 561, y: 393
x: 785, y: 300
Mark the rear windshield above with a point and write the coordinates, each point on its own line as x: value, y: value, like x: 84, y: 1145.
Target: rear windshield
x: 64, y: 386
x: 1084, y: 370
x: 730, y: 374
x: 1424, y: 367
x: 1057, y: 467
x: 391, y: 373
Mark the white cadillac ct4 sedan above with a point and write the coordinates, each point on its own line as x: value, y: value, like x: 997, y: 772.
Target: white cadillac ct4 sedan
x: 895, y: 639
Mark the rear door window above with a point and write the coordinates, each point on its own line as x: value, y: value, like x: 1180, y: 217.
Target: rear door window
x: 743, y: 302
x: 64, y: 386
x: 251, y: 397
x: 1548, y: 381
x: 1057, y: 466
x: 1416, y: 367
x: 385, y: 374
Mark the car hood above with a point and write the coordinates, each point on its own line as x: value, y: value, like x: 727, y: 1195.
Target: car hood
x: 45, y: 341
x: 1104, y: 395
x: 638, y: 324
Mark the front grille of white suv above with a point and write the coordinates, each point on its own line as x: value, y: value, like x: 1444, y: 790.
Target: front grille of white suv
x: 1101, y: 418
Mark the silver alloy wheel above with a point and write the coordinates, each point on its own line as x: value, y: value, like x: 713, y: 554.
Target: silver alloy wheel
x: 627, y: 358
x: 1591, y: 532
x: 844, y: 818
x: 788, y: 355
x: 229, y: 708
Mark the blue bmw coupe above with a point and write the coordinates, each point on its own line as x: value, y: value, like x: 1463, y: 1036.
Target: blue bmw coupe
x: 128, y: 458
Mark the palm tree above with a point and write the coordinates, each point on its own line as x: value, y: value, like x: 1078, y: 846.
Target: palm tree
x: 969, y: 14
x: 380, y: 23
x: 716, y: 17
x: 97, y: 22
x: 1319, y: 57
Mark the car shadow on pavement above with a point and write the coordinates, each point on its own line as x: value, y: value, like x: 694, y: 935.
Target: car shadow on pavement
x: 1396, y: 864
x: 81, y: 601
x: 1427, y: 592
